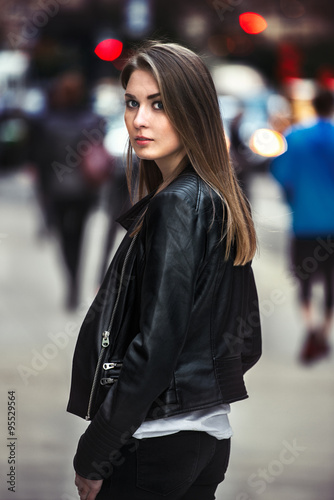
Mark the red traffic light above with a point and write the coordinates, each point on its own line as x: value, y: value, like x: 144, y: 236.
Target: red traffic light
x: 109, y: 50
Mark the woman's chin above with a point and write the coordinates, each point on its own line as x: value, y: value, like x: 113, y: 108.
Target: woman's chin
x: 142, y: 156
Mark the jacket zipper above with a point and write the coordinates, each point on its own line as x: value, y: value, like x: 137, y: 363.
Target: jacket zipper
x: 106, y: 334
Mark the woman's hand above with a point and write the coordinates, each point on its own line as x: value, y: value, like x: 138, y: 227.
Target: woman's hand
x: 87, y: 488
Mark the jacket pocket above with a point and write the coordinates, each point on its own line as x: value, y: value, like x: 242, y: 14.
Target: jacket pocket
x: 230, y: 379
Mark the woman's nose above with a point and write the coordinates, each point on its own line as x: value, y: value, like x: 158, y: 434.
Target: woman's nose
x: 141, y: 118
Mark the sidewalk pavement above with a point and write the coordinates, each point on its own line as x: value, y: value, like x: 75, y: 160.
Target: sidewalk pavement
x: 283, y: 443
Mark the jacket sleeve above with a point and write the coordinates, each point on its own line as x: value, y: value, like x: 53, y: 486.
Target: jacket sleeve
x: 250, y: 328
x: 175, y: 243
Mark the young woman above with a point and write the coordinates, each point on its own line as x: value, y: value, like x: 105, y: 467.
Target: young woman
x: 163, y: 349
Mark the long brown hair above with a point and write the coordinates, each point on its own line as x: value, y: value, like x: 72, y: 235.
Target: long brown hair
x: 190, y: 102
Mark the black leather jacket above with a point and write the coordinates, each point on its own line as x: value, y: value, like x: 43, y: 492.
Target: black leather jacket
x: 185, y: 326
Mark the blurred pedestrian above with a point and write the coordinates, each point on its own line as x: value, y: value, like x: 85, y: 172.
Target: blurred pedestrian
x: 66, y: 146
x: 306, y: 173
x: 116, y: 201
x: 177, y: 314
x: 240, y: 152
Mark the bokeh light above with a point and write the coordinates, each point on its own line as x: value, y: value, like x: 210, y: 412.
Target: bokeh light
x: 266, y: 142
x: 109, y: 50
x: 252, y: 23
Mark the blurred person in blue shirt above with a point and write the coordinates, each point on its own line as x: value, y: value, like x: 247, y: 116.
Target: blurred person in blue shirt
x: 306, y: 173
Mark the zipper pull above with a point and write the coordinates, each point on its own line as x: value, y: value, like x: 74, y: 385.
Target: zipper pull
x: 109, y: 366
x: 105, y: 338
x: 107, y: 381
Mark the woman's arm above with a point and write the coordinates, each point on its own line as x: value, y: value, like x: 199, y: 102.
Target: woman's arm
x: 175, y: 243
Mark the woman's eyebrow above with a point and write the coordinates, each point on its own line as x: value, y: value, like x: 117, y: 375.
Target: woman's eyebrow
x: 152, y: 96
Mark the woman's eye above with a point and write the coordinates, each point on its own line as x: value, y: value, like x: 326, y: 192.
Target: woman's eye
x: 158, y: 105
x: 131, y: 103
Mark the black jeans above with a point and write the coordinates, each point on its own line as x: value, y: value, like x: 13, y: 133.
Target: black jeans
x: 188, y: 465
x: 313, y: 259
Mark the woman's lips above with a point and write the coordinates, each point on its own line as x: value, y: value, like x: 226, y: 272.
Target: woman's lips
x: 141, y: 141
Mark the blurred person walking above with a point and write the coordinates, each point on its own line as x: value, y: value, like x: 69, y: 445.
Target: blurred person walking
x: 116, y: 201
x: 306, y: 173
x: 175, y: 325
x: 66, y: 144
x: 240, y: 153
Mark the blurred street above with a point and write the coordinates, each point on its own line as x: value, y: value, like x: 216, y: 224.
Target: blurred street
x: 61, y: 102
x: 283, y: 444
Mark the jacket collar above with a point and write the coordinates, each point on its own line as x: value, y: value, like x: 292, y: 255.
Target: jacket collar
x: 128, y: 218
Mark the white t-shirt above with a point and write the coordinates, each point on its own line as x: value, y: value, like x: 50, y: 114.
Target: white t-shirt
x: 213, y: 420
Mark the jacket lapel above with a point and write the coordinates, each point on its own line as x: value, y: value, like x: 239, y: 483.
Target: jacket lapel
x: 128, y: 218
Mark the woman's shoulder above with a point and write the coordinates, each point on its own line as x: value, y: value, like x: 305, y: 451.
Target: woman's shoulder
x: 188, y: 188
x: 187, y: 201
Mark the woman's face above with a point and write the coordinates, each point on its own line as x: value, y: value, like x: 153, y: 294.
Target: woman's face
x: 151, y: 134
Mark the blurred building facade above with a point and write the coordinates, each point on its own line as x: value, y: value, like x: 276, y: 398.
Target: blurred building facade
x: 40, y: 39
